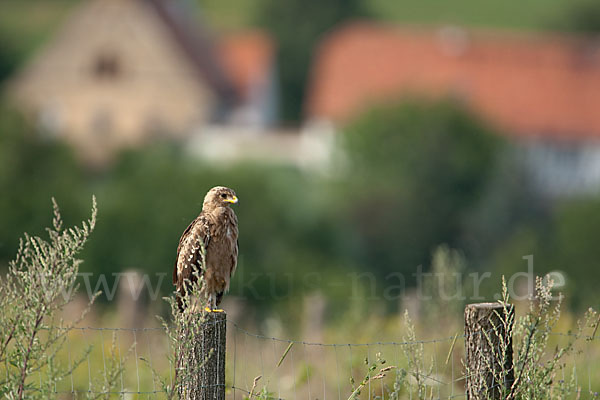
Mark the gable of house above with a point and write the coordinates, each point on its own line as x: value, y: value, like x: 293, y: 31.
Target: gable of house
x: 119, y: 71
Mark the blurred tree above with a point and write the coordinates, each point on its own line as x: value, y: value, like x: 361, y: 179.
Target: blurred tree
x: 147, y: 200
x: 564, y: 242
x: 415, y: 171
x: 297, y: 26
x: 574, y: 249
x: 507, y: 258
x: 510, y: 203
x: 24, y: 26
x: 32, y: 170
x: 8, y: 60
x: 414, y: 175
x: 581, y: 16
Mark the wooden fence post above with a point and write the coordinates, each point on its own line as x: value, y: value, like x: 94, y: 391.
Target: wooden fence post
x: 201, y: 362
x: 488, y: 344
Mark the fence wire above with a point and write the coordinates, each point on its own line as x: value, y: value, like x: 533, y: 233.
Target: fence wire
x: 277, y: 368
x: 305, y: 369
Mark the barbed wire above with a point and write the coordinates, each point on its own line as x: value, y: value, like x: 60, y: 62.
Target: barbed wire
x: 288, y: 368
x: 392, y: 343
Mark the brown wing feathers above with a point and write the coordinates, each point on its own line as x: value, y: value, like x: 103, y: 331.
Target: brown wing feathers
x: 189, y: 255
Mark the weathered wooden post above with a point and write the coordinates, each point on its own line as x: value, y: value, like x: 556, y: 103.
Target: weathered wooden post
x: 488, y: 344
x: 201, y: 359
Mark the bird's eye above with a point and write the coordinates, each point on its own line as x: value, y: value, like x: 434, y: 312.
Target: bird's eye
x: 223, y: 195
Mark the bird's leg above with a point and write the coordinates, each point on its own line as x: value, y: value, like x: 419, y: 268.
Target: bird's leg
x: 212, y: 307
x: 214, y: 304
x: 210, y: 301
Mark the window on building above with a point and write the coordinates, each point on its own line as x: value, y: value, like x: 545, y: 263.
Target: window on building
x: 107, y: 66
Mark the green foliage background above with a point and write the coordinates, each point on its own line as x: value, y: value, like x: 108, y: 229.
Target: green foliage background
x: 414, y: 175
x: 412, y: 166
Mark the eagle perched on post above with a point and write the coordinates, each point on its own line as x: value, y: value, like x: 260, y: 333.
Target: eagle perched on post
x: 215, y: 229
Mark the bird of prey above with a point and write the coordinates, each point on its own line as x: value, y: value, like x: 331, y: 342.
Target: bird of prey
x: 215, y: 230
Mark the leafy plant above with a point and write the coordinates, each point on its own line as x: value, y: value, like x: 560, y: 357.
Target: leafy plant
x: 537, y: 368
x: 536, y: 365
x: 40, y: 282
x: 414, y: 352
x: 371, y: 375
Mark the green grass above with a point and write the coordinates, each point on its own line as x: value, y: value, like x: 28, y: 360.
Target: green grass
x: 526, y: 15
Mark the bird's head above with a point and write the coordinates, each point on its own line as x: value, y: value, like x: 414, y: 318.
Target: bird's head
x: 219, y: 196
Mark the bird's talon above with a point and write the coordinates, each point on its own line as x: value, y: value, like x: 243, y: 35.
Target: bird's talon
x: 217, y: 310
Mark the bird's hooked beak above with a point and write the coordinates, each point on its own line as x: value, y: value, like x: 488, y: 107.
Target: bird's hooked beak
x: 233, y: 200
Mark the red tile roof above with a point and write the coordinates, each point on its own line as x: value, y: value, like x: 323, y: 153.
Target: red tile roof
x: 248, y: 58
x: 530, y: 85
